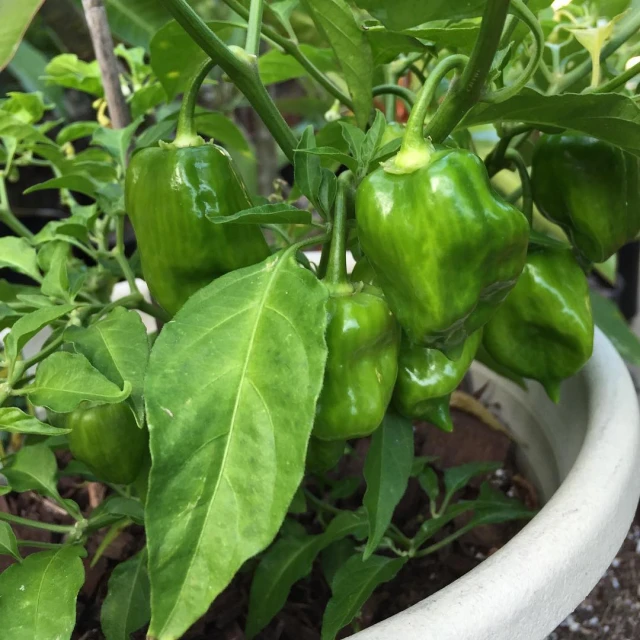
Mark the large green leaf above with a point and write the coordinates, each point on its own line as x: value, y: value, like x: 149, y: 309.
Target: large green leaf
x: 19, y: 255
x: 136, y: 21
x: 15, y: 420
x: 612, y: 323
x: 386, y: 470
x: 277, y: 66
x: 15, y: 17
x: 38, y: 596
x: 230, y: 391
x: 126, y: 607
x: 611, y: 117
x: 351, y: 46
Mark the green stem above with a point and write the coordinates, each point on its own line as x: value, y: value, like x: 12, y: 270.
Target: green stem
x: 34, y: 524
x: 291, y: 48
x: 337, y: 265
x: 155, y: 312
x: 38, y: 545
x: 523, y: 13
x: 395, y: 90
x: 7, y: 216
x: 464, y: 93
x: 121, y: 258
x: 389, y: 97
x: 415, y: 150
x: 44, y: 353
x: 321, y: 504
x: 514, y: 157
x: 445, y: 541
x: 616, y: 82
x: 242, y: 71
x: 324, y: 260
x: 186, y: 132
x: 252, y: 46
x: 628, y: 28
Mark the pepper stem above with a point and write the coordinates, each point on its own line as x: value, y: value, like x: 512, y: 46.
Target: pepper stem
x: 337, y: 266
x: 187, y: 134
x: 415, y: 150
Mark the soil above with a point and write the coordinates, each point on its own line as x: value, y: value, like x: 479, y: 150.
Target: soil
x: 472, y: 440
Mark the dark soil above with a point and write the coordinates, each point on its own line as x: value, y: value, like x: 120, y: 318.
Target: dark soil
x: 301, y: 618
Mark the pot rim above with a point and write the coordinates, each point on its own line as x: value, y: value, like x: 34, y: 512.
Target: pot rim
x: 524, y: 590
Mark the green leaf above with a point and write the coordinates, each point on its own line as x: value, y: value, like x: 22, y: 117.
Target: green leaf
x: 354, y: 138
x: 371, y: 142
x: 15, y: 17
x: 67, y: 70
x: 336, y: 20
x: 352, y: 586
x: 126, y: 607
x: 116, y: 141
x: 64, y: 380
x: 431, y: 526
x: 223, y: 130
x: 458, y: 37
x: 611, y: 322
x: 232, y: 384
x: 136, y: 21
x: 38, y: 596
x: 456, y: 478
x: 147, y: 98
x: 386, y: 471
x: 175, y: 57
x: 386, y: 46
x: 611, y: 117
x: 15, y: 420
x: 26, y: 107
x: 117, y: 346
x: 290, y: 559
x: 277, y: 66
x: 120, y: 506
x: 430, y: 484
x: 493, y: 507
x: 56, y: 280
x: 402, y: 14
x: 275, y: 213
x: 34, y: 468
x: 73, y: 181
x: 19, y: 255
x: 8, y: 542
x: 27, y: 327
x: 75, y: 131
x: 334, y: 556
x: 333, y: 154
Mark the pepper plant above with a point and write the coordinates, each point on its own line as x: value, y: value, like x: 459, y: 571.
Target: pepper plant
x: 478, y: 159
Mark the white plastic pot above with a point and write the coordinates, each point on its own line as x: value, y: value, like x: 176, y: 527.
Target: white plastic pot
x: 584, y: 455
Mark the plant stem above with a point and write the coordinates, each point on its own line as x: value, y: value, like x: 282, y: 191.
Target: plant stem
x: 291, y: 48
x: 618, y: 81
x: 514, y: 157
x: 38, y: 545
x: 7, y: 216
x: 415, y: 150
x: 395, y: 90
x: 34, y: 524
x: 628, y: 28
x: 464, y: 93
x: 337, y: 266
x: 43, y: 353
x: 252, y: 46
x: 102, y: 41
x: 320, y: 504
x: 523, y: 13
x: 243, y: 72
x: 445, y: 541
x: 121, y: 258
x: 186, y: 133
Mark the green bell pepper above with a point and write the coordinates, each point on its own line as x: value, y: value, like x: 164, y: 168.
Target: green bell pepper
x: 591, y: 189
x: 544, y: 329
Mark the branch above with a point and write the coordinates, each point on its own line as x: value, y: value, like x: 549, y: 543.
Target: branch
x: 96, y: 17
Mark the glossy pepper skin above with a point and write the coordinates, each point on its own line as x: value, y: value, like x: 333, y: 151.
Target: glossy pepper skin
x: 446, y: 249
x: 363, y: 339
x: 426, y: 379
x: 169, y: 192
x: 544, y: 329
x: 108, y: 440
x: 591, y: 189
